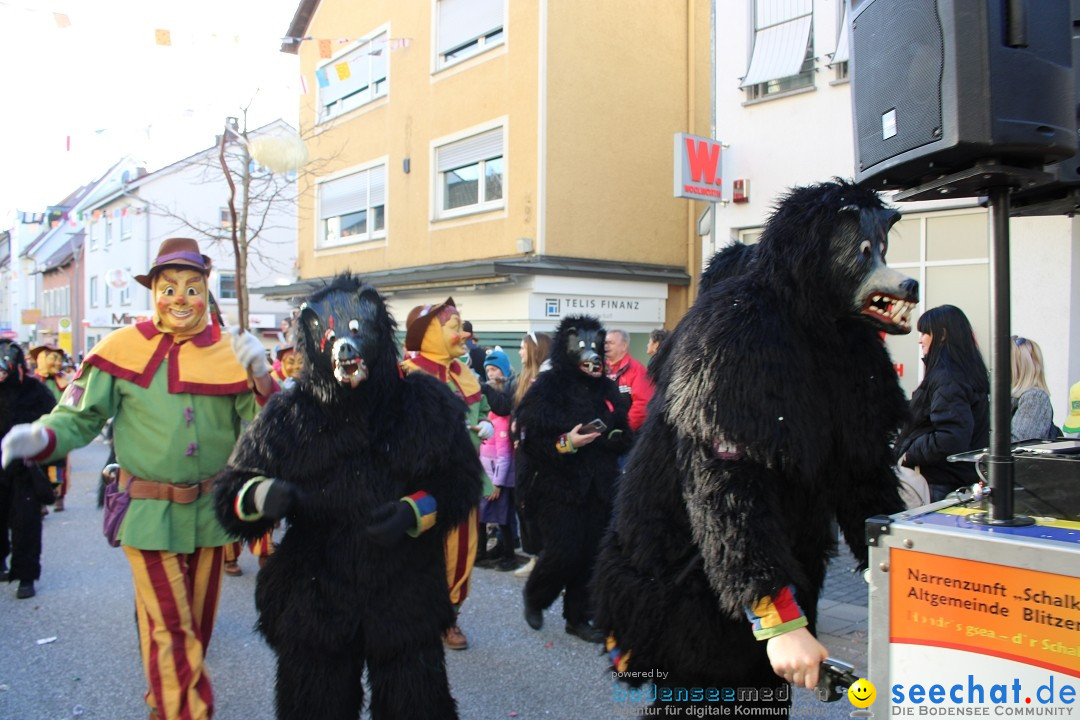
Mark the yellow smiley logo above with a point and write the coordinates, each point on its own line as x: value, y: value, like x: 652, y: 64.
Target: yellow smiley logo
x: 862, y: 693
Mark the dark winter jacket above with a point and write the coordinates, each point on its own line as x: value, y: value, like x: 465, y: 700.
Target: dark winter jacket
x: 958, y: 420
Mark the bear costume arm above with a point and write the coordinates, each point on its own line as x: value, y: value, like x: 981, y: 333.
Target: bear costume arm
x: 747, y: 551
x: 438, y: 455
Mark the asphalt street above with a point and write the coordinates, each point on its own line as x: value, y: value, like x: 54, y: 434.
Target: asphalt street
x: 71, y: 651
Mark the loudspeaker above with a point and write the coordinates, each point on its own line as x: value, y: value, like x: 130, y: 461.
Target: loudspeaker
x: 1062, y: 195
x: 940, y: 84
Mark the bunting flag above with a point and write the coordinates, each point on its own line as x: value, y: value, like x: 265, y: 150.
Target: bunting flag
x: 320, y: 76
x: 324, y: 49
x: 61, y: 20
x: 343, y: 72
x: 162, y: 37
x: 303, y: 85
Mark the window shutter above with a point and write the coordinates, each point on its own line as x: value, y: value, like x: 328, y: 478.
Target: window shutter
x: 781, y: 35
x: 471, y: 150
x: 344, y: 195
x: 842, y: 53
x: 464, y: 20
x: 377, y: 177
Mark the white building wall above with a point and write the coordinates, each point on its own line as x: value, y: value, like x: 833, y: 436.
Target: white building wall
x: 193, y: 194
x: 807, y: 137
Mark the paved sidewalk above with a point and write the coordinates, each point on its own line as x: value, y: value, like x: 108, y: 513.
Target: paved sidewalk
x: 842, y: 612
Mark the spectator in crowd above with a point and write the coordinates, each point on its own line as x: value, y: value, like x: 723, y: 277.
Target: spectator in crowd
x: 1072, y: 422
x: 656, y: 339
x: 497, y: 457
x: 476, y: 353
x: 1032, y: 411
x: 629, y: 375
x: 950, y: 409
x: 534, y: 353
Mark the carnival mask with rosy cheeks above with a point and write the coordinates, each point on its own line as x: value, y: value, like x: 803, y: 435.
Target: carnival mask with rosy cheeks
x: 180, y: 300
x: 292, y: 364
x: 454, y: 336
x: 49, y: 363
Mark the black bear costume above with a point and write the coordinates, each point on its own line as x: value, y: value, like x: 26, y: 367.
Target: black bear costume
x: 568, y: 492
x: 775, y: 405
x: 355, y: 457
x: 23, y: 488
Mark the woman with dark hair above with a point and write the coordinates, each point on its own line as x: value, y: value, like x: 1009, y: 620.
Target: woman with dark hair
x: 950, y: 409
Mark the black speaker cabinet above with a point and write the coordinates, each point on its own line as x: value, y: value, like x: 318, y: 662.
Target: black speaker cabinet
x: 940, y: 84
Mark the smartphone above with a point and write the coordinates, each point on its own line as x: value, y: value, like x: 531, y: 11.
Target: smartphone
x: 596, y: 426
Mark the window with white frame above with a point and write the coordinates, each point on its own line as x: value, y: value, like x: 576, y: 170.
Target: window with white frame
x: 95, y: 233
x: 470, y: 174
x: 108, y: 293
x: 782, y: 58
x: 467, y: 27
x: 353, y: 208
x: 354, y: 79
x: 226, y: 219
x: 226, y: 286
x: 108, y: 227
x: 94, y: 291
x: 125, y: 224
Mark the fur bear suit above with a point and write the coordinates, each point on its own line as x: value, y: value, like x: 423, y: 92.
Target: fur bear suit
x: 23, y: 489
x: 349, y: 586
x: 569, y: 494
x: 775, y: 405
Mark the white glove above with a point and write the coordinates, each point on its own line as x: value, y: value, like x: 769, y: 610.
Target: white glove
x: 249, y: 351
x: 23, y: 441
x: 484, y: 429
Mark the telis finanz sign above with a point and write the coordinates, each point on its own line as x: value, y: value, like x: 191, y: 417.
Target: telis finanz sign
x: 697, y: 167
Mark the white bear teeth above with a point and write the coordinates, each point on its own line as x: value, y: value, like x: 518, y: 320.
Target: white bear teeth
x: 890, y: 309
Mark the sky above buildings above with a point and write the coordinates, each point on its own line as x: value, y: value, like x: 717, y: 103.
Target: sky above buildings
x: 85, y: 83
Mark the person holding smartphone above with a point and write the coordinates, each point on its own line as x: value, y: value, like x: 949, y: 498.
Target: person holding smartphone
x: 573, y: 427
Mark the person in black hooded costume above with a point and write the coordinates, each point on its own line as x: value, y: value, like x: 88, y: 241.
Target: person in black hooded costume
x: 23, y: 487
x: 567, y: 474
x: 775, y: 406
x: 369, y: 470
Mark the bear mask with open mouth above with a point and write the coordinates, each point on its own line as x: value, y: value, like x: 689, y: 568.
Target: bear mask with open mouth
x: 346, y: 336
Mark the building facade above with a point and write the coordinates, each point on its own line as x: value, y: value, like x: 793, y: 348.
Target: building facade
x: 189, y: 198
x: 515, y: 156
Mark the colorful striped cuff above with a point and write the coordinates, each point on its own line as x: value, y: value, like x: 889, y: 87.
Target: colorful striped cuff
x: 564, y: 446
x: 425, y: 508
x: 776, y: 614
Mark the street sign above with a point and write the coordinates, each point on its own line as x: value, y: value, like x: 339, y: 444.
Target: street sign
x: 698, y: 174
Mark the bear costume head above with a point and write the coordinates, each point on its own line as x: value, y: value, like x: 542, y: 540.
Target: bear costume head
x: 579, y: 344
x: 346, y: 336
x: 12, y: 363
x: 824, y: 247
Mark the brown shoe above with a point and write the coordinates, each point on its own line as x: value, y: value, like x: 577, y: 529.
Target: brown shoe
x: 232, y: 568
x: 454, y: 639
x: 58, y: 506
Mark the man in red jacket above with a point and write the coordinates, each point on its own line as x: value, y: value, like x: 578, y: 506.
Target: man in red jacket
x: 628, y: 374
